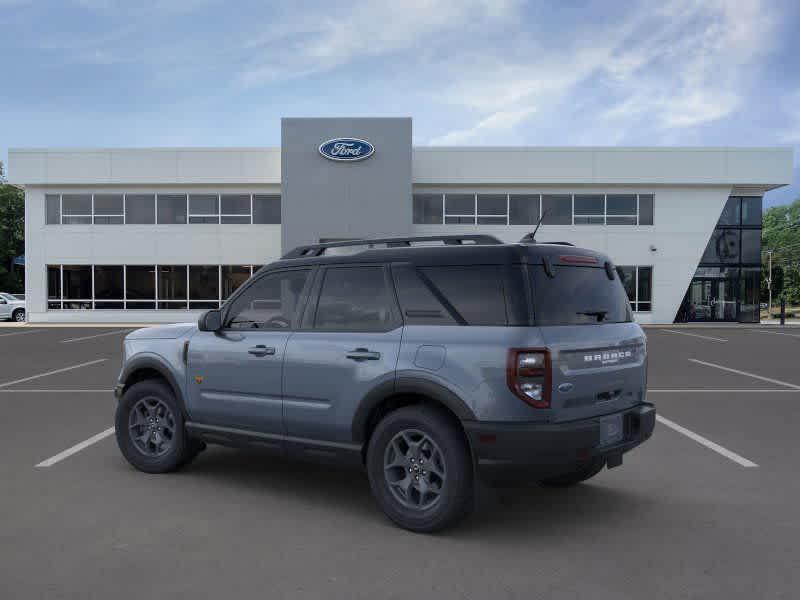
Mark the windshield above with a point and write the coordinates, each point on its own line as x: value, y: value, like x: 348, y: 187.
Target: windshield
x: 578, y: 295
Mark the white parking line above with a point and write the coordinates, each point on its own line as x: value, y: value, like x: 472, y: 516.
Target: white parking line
x: 91, y: 337
x: 76, y: 448
x: 27, y: 331
x: 84, y: 391
x: 720, y: 391
x: 745, y: 373
x: 795, y: 335
x: 697, y: 335
x: 740, y: 460
x: 24, y: 379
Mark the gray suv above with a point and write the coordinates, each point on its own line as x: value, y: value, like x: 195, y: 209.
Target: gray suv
x: 429, y: 362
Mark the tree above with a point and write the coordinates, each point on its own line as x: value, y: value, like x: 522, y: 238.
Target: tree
x: 12, y: 235
x: 781, y: 235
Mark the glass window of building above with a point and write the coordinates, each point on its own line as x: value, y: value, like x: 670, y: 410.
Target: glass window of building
x: 428, y: 209
x: 621, y: 209
x: 203, y: 286
x: 731, y: 214
x: 109, y: 209
x: 235, y: 209
x: 459, y: 209
x: 266, y: 209
x: 140, y: 209
x: 140, y: 286
x: 523, y: 209
x: 53, y: 209
x: 589, y: 209
x: 751, y: 211
x: 204, y: 208
x: 492, y: 209
x: 77, y: 286
x: 557, y: 209
x: 171, y: 209
x: 53, y: 287
x: 172, y: 287
x: 723, y: 247
x: 646, y: 209
x: 76, y: 209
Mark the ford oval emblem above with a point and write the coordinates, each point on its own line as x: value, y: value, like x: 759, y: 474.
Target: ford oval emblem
x: 345, y: 149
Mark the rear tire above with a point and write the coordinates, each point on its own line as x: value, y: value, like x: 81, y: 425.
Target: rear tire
x: 150, y: 428
x: 575, y: 477
x: 420, y: 469
x: 19, y: 315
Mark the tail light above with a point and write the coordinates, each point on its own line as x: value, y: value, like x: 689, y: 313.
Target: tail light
x: 529, y: 376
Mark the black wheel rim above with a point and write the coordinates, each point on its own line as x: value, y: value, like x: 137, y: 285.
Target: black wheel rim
x: 414, y: 469
x: 152, y: 426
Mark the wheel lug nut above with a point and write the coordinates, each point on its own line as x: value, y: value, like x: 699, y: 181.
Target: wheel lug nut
x: 416, y: 478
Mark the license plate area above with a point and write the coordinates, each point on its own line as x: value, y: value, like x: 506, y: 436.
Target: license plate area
x: 611, y: 430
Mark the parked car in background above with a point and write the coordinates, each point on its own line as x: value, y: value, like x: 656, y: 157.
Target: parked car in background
x: 12, y: 308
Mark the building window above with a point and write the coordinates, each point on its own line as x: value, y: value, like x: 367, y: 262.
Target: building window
x: 526, y: 209
x: 232, y: 277
x: 638, y: 284
x: 266, y: 209
x: 109, y: 286
x: 203, y: 286
x: 140, y: 209
x: 164, y: 209
x: 76, y: 282
x: 109, y: 209
x: 171, y: 209
x: 173, y: 282
x: 204, y: 208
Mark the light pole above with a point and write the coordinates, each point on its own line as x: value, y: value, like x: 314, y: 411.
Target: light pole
x: 769, y: 285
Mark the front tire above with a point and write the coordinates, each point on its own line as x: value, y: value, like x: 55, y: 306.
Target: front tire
x: 150, y: 428
x: 18, y: 315
x: 420, y: 470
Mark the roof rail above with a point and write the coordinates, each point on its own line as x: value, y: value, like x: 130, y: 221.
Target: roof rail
x: 393, y: 242
x: 558, y: 243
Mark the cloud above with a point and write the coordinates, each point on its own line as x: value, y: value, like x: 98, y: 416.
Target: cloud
x: 496, y: 122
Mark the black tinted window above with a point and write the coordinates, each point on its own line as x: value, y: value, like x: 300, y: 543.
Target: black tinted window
x: 578, y: 296
x: 269, y: 303
x: 354, y: 299
x: 419, y: 305
x: 476, y: 293
x: 557, y: 209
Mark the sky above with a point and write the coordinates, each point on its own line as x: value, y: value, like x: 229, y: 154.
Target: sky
x: 108, y: 73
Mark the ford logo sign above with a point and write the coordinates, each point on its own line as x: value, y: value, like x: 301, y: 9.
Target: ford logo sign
x: 346, y: 149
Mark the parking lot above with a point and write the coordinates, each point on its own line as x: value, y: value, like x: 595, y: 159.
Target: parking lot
x: 708, y: 508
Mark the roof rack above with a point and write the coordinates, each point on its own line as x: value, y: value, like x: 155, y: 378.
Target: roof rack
x: 558, y: 243
x: 393, y: 242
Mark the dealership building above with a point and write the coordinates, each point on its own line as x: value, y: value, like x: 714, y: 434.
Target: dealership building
x: 159, y: 234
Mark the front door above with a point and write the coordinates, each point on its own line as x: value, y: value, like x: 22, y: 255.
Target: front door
x: 234, y: 375
x: 350, y: 346
x: 712, y: 300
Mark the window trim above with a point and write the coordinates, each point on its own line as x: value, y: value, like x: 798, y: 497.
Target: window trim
x: 636, y: 301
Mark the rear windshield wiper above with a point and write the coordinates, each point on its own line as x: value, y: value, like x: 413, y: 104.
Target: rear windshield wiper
x: 600, y: 314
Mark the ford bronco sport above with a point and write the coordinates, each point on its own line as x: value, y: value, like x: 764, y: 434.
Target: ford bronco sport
x: 429, y: 362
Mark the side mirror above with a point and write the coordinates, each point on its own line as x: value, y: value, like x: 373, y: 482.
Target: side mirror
x: 210, y: 320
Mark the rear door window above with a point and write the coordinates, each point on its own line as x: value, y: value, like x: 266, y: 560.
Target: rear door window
x: 355, y: 299
x: 475, y: 292
x: 578, y: 295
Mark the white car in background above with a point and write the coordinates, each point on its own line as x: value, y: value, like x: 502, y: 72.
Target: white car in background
x: 12, y: 308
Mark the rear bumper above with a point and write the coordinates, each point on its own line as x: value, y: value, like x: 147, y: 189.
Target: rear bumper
x: 509, y: 452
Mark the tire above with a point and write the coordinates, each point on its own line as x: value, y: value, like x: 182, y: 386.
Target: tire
x: 160, y: 445
x: 575, y: 477
x: 18, y: 315
x: 420, y: 433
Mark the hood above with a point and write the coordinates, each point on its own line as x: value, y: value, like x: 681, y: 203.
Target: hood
x: 162, y: 332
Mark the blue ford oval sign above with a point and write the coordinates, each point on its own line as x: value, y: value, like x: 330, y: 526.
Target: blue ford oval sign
x: 346, y: 149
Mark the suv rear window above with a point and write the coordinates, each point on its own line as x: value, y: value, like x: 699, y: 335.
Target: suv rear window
x: 578, y: 295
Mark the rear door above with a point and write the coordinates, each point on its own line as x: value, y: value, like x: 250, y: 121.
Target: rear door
x: 349, y: 347
x: 597, y: 351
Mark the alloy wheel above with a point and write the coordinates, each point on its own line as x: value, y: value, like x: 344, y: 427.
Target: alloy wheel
x: 414, y: 469
x: 152, y: 426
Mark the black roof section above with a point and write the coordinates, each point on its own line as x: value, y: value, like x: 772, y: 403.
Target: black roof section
x: 439, y: 250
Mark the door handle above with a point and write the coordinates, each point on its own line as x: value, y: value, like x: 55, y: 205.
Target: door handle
x: 363, y: 354
x: 261, y: 350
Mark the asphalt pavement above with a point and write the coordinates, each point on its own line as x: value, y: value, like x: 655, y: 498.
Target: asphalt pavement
x: 708, y: 508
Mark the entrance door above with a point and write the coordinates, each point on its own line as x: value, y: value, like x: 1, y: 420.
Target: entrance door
x: 711, y: 300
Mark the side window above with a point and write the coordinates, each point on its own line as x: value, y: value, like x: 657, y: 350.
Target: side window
x: 270, y: 303
x: 419, y: 305
x: 354, y: 299
x: 475, y: 292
